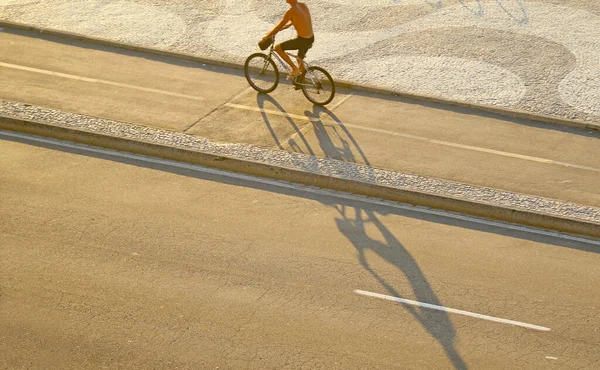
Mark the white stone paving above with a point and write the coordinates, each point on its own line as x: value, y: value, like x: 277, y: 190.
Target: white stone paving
x: 355, y: 40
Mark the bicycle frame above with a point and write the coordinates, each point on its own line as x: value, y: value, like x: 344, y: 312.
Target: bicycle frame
x: 285, y: 66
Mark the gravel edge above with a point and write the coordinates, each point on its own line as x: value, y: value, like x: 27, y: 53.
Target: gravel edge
x: 300, y: 168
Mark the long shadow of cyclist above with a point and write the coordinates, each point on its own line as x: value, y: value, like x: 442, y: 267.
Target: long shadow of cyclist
x: 353, y: 225
x: 336, y: 142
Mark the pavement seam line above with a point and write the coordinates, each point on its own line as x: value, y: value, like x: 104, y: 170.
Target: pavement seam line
x: 241, y: 93
x: 506, y: 112
x: 301, y: 133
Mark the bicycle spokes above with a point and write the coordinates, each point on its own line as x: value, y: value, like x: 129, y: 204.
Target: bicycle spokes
x: 264, y: 68
x: 261, y: 73
x: 319, y: 87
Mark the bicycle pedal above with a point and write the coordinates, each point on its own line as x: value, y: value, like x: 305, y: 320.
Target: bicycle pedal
x: 297, y: 87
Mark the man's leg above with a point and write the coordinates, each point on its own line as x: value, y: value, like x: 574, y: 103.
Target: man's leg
x: 294, y: 44
x: 302, y: 54
x: 287, y: 58
x: 300, y: 64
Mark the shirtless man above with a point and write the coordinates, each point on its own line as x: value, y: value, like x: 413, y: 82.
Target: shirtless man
x: 298, y: 16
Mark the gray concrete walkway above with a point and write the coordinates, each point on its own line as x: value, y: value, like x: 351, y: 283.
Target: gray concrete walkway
x: 430, y: 140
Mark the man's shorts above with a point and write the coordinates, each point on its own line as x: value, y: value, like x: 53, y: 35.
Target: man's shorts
x: 300, y: 43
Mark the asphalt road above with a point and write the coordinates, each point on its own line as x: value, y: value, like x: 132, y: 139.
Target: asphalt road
x: 114, y: 261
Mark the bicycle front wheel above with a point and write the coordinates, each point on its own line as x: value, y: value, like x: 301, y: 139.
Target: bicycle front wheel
x: 261, y: 73
x: 318, y: 86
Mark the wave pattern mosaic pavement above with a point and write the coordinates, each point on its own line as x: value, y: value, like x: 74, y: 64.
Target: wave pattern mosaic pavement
x: 538, y: 56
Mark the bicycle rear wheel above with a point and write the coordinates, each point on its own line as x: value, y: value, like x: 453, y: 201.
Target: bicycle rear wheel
x: 262, y: 74
x: 318, y: 86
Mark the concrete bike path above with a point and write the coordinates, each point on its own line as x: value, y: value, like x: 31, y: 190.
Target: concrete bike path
x: 383, y: 132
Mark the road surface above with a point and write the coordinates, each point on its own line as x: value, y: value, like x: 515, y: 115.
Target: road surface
x: 109, y: 260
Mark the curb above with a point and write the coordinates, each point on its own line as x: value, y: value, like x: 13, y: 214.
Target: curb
x: 337, y: 182
x: 513, y: 113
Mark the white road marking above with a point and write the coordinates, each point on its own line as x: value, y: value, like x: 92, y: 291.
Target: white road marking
x: 300, y: 187
x: 94, y: 80
x: 451, y: 310
x: 420, y: 138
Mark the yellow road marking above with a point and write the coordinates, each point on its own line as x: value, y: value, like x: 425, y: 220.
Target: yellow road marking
x: 270, y: 111
x: 420, y: 138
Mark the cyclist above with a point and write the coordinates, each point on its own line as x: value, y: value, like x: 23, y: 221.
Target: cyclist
x: 298, y: 16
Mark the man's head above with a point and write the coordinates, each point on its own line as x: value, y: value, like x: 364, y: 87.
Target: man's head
x: 291, y: 2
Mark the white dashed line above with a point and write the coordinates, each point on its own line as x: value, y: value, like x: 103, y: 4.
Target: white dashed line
x: 451, y: 310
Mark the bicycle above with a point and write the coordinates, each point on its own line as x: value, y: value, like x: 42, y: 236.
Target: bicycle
x: 263, y: 75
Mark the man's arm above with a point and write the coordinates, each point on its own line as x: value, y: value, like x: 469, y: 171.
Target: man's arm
x: 287, y: 18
